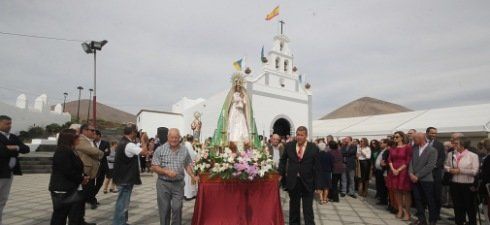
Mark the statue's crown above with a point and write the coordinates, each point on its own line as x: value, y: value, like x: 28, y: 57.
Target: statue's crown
x: 237, y: 79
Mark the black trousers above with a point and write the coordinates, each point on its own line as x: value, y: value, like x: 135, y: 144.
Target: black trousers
x: 381, y: 189
x: 99, y: 181
x: 425, y: 191
x: 89, y: 190
x: 438, y: 173
x: 61, y: 212
x: 77, y: 212
x: 464, y: 203
x: 296, y: 196
x: 334, y: 192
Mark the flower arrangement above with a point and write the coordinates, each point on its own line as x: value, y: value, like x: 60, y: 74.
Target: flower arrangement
x: 236, y: 161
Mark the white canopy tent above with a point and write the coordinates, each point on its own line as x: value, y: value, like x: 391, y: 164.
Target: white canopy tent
x: 468, y: 119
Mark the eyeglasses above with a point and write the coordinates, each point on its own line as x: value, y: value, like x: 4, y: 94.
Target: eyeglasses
x: 93, y: 130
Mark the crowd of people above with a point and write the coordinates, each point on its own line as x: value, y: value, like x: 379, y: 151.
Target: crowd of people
x: 408, y: 170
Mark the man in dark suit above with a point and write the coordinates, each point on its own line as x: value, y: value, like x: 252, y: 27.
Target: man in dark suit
x: 105, y: 147
x: 301, y: 158
x: 420, y: 169
x: 10, y: 147
x: 349, y: 152
x: 431, y: 135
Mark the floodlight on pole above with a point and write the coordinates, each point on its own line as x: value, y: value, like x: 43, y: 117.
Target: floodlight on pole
x: 91, y: 48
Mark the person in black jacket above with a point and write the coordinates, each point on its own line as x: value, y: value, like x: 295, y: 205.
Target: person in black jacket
x: 302, y: 170
x: 105, y: 147
x: 66, y: 177
x: 10, y: 147
x: 349, y: 151
x: 484, y: 178
x: 437, y: 173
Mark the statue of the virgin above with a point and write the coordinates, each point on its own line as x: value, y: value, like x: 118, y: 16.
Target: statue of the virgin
x: 236, y: 123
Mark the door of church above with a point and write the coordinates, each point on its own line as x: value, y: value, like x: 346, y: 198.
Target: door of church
x: 282, y: 127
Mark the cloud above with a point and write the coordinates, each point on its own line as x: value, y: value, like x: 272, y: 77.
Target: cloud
x: 418, y: 54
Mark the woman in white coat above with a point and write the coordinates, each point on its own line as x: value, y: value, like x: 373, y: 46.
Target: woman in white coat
x: 190, y: 188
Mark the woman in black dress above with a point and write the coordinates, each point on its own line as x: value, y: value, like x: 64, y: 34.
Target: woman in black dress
x: 66, y: 178
x: 325, y: 176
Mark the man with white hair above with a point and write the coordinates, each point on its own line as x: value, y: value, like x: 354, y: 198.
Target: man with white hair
x: 169, y: 162
x: 275, y: 149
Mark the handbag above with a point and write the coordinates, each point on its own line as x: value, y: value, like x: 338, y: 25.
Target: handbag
x: 448, y: 177
x: 61, y: 200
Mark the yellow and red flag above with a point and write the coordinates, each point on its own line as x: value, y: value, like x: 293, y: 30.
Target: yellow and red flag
x: 272, y: 14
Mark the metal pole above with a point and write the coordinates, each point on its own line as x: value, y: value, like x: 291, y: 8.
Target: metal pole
x: 89, y: 102
x: 78, y: 109
x: 95, y: 90
x: 64, y: 102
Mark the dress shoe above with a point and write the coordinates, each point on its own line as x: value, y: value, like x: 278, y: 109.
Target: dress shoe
x: 342, y: 194
x: 381, y: 203
x: 93, y: 206
x: 353, y: 196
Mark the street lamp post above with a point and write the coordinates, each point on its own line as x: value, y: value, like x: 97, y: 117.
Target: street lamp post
x: 80, y: 88
x: 89, y: 103
x: 89, y: 48
x: 64, y: 101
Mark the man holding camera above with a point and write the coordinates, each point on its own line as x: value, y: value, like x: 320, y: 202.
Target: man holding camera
x: 126, y: 170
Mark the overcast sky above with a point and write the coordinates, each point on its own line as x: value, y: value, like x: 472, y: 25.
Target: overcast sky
x: 420, y: 54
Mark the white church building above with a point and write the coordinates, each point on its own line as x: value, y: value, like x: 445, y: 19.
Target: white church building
x: 281, y: 100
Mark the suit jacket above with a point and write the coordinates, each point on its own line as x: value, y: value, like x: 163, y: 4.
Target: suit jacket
x: 441, y: 159
x: 90, y: 156
x: 422, y: 166
x: 67, y: 172
x: 105, y: 147
x: 6, y: 154
x: 307, y: 169
x: 349, y: 152
x: 385, y: 156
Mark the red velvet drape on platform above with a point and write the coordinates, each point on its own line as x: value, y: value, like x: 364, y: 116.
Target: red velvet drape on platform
x: 236, y: 202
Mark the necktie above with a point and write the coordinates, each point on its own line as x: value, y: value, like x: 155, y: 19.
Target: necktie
x: 300, y: 152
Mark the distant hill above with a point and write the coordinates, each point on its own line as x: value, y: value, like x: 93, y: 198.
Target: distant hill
x: 104, y: 112
x: 365, y: 106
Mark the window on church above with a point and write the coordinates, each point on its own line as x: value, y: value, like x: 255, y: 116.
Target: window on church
x: 286, y: 65
x: 277, y: 62
x: 281, y: 46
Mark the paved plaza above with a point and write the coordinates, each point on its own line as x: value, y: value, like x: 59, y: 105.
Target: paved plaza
x: 30, y: 204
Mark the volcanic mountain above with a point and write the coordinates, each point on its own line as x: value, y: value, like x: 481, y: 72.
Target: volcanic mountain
x: 365, y: 106
x: 104, y: 112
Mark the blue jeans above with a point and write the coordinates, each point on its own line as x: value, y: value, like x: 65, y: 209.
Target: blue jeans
x: 347, y: 182
x: 122, y: 204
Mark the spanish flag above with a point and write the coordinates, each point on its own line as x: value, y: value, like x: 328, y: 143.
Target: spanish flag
x: 272, y: 14
x: 238, y: 65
